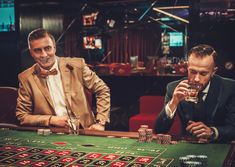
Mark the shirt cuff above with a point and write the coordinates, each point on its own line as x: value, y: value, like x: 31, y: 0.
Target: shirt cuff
x: 170, y: 114
x: 216, y: 133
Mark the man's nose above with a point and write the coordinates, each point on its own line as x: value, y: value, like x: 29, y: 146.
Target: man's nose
x: 197, y: 77
x: 43, y: 53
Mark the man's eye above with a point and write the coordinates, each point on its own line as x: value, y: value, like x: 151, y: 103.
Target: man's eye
x: 38, y: 50
x: 203, y: 73
x: 193, y: 72
x: 48, y: 48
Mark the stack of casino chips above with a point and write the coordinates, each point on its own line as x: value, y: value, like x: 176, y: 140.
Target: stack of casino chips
x: 149, y: 135
x: 142, y: 133
x: 163, y: 139
x: 44, y: 132
x: 145, y: 134
x: 193, y: 161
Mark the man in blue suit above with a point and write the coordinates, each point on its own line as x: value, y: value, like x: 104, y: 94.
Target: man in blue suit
x: 216, y: 121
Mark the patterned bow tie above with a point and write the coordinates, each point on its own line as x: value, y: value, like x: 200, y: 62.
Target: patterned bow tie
x: 44, y: 74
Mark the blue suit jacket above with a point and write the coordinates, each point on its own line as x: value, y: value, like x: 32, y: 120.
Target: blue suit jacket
x: 220, y: 109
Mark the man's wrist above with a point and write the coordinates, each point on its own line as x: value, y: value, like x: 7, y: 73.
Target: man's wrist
x: 101, y: 122
x: 212, y: 134
x: 49, y: 121
x: 172, y: 105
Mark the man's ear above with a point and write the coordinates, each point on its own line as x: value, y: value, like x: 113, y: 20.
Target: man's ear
x: 215, y: 70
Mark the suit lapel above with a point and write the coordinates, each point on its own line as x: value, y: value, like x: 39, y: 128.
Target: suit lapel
x: 212, y: 99
x: 66, y: 80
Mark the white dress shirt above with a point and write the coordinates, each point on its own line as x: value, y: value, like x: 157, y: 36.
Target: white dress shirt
x: 55, y: 87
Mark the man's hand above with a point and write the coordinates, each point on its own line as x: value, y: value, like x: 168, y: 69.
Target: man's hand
x: 59, y: 121
x: 178, y: 94
x: 96, y: 127
x: 200, y: 130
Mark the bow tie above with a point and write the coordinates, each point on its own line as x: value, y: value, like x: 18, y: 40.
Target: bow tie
x: 44, y: 74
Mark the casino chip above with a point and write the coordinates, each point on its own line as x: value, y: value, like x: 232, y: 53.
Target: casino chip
x: 193, y: 161
x: 149, y: 135
x: 142, y: 135
x: 145, y: 134
x: 164, y: 139
x: 44, y: 132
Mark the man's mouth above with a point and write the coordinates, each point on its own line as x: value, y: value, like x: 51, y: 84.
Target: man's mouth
x: 45, y: 60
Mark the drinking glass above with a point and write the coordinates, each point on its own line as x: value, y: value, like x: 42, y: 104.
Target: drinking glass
x: 74, y: 124
x: 192, y: 93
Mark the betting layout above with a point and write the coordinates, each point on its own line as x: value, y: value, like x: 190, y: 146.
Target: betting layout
x: 52, y: 153
x: 24, y: 148
x: 36, y: 157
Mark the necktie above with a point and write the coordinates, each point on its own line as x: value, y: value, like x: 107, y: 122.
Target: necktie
x: 44, y: 74
x: 200, y: 110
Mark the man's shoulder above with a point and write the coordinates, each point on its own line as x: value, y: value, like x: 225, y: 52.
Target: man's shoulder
x: 225, y: 81
x: 72, y: 61
x: 27, y: 73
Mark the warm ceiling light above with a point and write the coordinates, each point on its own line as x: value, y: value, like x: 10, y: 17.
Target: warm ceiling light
x: 171, y: 15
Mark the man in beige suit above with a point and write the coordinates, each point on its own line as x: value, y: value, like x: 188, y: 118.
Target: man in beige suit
x: 54, y: 88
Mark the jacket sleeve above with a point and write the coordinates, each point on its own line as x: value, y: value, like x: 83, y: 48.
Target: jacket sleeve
x: 227, y: 131
x: 101, y: 90
x: 24, y: 107
x: 163, y: 123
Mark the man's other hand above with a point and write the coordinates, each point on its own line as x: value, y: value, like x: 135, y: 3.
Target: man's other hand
x: 59, y: 121
x: 200, y: 130
x: 96, y: 127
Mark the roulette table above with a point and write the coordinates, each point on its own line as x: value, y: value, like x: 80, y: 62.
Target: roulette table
x: 95, y: 148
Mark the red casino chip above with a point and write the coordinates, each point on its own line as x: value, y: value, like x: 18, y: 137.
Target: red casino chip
x: 118, y: 164
x: 47, y: 152
x: 94, y: 155
x: 21, y: 149
x: 7, y: 148
x: 59, y: 143
x: 67, y: 159
x: 39, y: 164
x: 144, y: 159
x: 63, y: 153
x: 24, y: 162
x: 110, y: 157
x: 23, y: 155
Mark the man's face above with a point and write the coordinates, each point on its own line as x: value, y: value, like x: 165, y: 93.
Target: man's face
x: 43, y: 52
x: 200, y: 70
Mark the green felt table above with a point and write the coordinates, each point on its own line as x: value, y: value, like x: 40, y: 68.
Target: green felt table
x: 110, y: 151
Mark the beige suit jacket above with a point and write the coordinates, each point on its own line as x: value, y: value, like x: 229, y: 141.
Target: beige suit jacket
x: 34, y: 104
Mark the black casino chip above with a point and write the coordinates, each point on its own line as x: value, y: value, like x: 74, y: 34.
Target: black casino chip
x: 35, y: 150
x: 37, y: 157
x: 52, y: 158
x: 78, y: 154
x: 84, y: 161
x: 8, y: 154
x: 126, y: 158
x: 9, y: 161
x: 136, y: 165
x: 100, y: 163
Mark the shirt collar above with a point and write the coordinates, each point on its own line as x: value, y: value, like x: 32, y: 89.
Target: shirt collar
x: 55, y: 65
x: 206, y: 88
